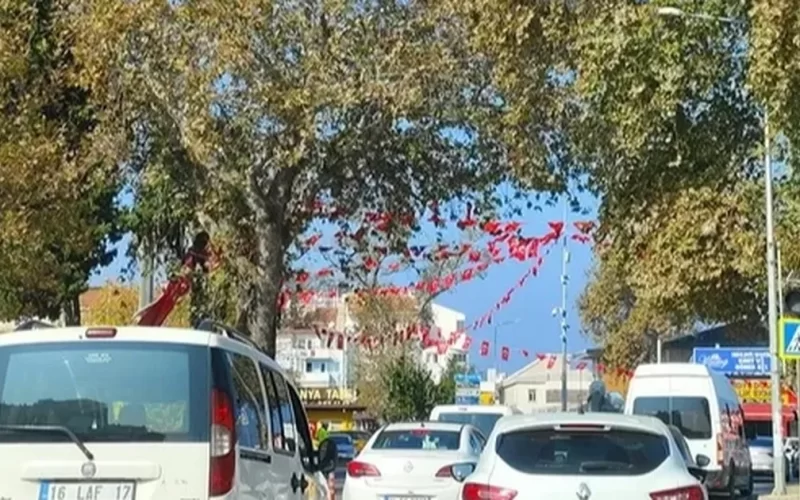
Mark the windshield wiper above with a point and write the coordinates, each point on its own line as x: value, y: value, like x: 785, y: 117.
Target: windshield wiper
x: 50, y: 429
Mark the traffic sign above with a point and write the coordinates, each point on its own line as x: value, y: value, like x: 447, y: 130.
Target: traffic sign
x: 467, y: 380
x: 735, y: 361
x: 789, y: 338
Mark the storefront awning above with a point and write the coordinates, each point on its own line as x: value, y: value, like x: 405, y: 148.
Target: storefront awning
x: 763, y: 412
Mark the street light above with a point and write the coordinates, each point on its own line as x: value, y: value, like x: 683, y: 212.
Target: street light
x: 775, y: 380
x: 496, y: 327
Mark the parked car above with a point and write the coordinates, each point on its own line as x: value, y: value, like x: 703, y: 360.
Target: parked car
x: 163, y: 413
x: 596, y: 456
x: 762, y: 458
x: 703, y: 405
x: 414, y: 460
x: 344, y: 446
x: 360, y: 438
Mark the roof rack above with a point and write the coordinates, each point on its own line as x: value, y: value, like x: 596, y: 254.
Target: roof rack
x: 212, y: 326
x: 32, y: 324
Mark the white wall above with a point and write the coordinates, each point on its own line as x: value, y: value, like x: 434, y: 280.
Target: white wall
x: 531, y: 396
x: 445, y: 322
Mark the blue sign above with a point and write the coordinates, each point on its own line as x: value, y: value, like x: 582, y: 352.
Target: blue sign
x: 468, y: 380
x: 737, y: 361
x: 789, y: 342
x: 467, y: 400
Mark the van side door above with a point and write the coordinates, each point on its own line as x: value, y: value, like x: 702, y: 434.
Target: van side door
x: 285, y: 482
x: 255, y: 458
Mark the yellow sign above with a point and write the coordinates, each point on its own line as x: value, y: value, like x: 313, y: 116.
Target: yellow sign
x: 487, y: 398
x: 332, y: 396
x: 759, y: 391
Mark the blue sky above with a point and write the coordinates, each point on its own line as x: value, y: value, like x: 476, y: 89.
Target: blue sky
x: 533, y: 326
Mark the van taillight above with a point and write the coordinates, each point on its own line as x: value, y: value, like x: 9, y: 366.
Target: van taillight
x: 720, y: 450
x: 223, y: 444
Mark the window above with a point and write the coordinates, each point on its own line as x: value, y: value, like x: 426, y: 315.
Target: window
x: 287, y: 416
x: 309, y: 344
x: 532, y: 395
x: 106, y: 391
x: 481, y: 439
x: 304, y: 442
x: 691, y: 415
x: 322, y: 367
x: 573, y: 396
x: 417, y: 439
x: 309, y: 367
x: 616, y: 452
x: 483, y: 421
x: 474, y: 444
x: 251, y: 426
x: 276, y: 421
x: 683, y: 448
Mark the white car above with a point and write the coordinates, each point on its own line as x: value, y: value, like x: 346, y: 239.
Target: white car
x: 595, y: 456
x: 414, y: 461
x: 484, y: 417
x: 143, y: 413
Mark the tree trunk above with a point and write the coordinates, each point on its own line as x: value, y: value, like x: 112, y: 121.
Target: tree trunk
x: 263, y: 313
x: 71, y: 312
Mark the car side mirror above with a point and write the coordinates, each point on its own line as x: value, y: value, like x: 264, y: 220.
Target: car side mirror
x: 461, y: 471
x: 327, y: 456
x: 702, y: 460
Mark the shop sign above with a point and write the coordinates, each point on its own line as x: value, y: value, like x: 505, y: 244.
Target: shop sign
x: 328, y: 396
x: 758, y: 391
x: 487, y: 398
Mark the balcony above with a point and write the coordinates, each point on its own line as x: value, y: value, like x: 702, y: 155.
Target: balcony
x: 318, y: 379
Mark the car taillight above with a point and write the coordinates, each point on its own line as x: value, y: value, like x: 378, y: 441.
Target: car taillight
x: 446, y: 471
x: 688, y: 493
x: 475, y: 491
x: 361, y: 469
x: 223, y: 444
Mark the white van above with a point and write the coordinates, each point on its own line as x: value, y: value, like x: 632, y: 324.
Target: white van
x: 483, y: 417
x: 143, y: 413
x: 702, y: 404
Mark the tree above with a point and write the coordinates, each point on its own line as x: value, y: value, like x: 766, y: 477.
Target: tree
x: 411, y: 392
x: 250, y: 120
x: 56, y: 198
x: 654, y: 115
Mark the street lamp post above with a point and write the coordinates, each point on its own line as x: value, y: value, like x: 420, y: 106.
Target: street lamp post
x: 775, y: 380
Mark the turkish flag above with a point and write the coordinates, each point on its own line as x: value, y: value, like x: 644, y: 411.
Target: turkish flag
x: 484, y: 348
x: 551, y: 362
x: 467, y: 342
x: 504, y: 353
x: 580, y: 366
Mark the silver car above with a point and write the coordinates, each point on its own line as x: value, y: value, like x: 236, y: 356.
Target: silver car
x: 761, y: 457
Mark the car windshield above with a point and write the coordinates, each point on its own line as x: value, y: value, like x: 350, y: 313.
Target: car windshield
x: 691, y: 415
x: 105, y: 391
x: 417, y: 439
x: 581, y: 452
x: 485, y: 422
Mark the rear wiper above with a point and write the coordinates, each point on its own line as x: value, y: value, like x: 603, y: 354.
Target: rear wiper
x: 50, y: 429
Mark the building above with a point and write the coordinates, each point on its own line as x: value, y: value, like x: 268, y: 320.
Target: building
x: 436, y: 359
x: 537, y: 386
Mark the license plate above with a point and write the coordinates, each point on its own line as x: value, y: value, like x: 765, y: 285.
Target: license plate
x: 406, y: 497
x: 87, y: 491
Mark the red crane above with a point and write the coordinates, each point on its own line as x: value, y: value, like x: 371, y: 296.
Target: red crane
x: 179, y: 285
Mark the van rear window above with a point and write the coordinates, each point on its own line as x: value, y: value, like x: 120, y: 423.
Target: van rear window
x: 691, y: 415
x: 108, y: 391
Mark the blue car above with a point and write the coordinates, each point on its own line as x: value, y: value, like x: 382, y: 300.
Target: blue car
x: 344, y: 446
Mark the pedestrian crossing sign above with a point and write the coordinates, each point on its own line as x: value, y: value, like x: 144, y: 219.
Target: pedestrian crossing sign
x: 789, y: 338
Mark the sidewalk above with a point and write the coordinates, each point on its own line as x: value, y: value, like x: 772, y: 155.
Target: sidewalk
x: 792, y: 493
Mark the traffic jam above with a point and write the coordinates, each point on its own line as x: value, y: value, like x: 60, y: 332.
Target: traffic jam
x: 153, y: 413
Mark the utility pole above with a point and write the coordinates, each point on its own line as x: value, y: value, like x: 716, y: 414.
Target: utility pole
x: 775, y: 375
x: 563, y: 309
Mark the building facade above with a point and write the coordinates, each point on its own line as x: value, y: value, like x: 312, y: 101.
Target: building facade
x: 537, y: 386
x: 437, y: 358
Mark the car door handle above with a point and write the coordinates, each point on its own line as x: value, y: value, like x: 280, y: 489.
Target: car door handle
x: 299, y: 483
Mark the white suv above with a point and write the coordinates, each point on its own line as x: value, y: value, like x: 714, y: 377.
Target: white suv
x: 140, y: 413
x: 597, y: 456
